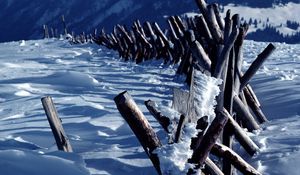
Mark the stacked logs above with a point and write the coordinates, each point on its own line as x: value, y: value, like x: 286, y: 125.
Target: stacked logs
x: 212, y: 45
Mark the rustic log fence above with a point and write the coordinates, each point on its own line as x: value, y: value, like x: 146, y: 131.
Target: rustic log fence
x: 209, y: 44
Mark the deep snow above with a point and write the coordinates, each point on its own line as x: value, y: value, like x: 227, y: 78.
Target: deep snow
x: 83, y: 79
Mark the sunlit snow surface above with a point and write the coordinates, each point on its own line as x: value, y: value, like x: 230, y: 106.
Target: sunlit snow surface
x: 83, y: 80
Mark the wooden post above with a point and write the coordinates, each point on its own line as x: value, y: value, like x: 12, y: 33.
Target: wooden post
x: 219, y: 18
x: 244, y: 114
x: 254, y: 106
x: 46, y: 31
x: 241, y: 136
x: 139, y: 125
x: 162, y: 120
x: 64, y: 24
x: 238, y: 162
x: 212, y: 167
x: 180, y: 126
x: 256, y: 65
x: 60, y: 136
x: 213, y: 132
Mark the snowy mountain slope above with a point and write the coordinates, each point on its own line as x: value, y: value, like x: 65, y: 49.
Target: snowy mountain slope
x: 84, y: 79
x: 24, y: 19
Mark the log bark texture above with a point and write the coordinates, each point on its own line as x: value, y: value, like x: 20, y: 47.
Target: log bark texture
x: 139, y: 125
x: 60, y: 136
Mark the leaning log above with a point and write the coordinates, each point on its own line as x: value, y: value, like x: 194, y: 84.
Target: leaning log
x: 162, y: 120
x: 241, y: 135
x: 244, y: 114
x: 212, y: 167
x: 238, y: 162
x: 256, y: 65
x: 213, y: 132
x: 139, y: 125
x: 261, y: 118
x: 60, y: 136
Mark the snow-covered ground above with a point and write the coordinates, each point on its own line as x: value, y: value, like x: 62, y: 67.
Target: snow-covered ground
x: 84, y: 79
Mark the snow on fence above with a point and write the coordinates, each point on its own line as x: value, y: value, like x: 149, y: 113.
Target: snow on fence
x: 205, y: 45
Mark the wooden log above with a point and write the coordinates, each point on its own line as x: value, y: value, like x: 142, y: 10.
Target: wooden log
x: 180, y: 23
x: 60, y: 136
x: 162, y: 120
x: 220, y: 20
x: 244, y: 115
x: 238, y: 57
x: 200, y: 56
x: 220, y: 66
x: 253, y: 94
x: 139, y: 125
x: 176, y: 27
x: 228, y: 25
x: 227, y: 138
x: 213, y: 169
x: 254, y: 107
x: 46, y: 31
x: 213, y: 25
x: 152, y: 38
x: 202, y: 125
x: 236, y: 22
x: 241, y: 135
x: 172, y: 30
x: 256, y: 65
x: 203, y: 8
x: 203, y: 28
x: 238, y: 162
x: 140, y: 28
x: 213, y: 132
x: 159, y: 32
x: 179, y: 129
x: 64, y: 24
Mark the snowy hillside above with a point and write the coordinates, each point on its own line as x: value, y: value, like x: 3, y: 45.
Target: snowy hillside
x: 84, y: 79
x: 24, y: 19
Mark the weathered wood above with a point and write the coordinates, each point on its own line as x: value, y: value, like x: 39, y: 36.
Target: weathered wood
x: 203, y: 8
x: 159, y: 32
x: 46, y: 31
x: 213, y: 25
x: 60, y: 136
x: 244, y: 115
x: 203, y: 29
x: 227, y: 138
x: 253, y: 94
x: 213, y: 132
x: 220, y: 20
x: 212, y: 167
x: 180, y: 23
x: 162, y: 120
x: 254, y: 106
x: 228, y: 25
x: 180, y: 126
x: 225, y: 54
x: 238, y: 57
x: 139, y: 125
x: 256, y: 65
x: 176, y: 27
x: 64, y: 24
x: 238, y: 162
x: 199, y: 55
x: 241, y: 135
x: 202, y: 124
